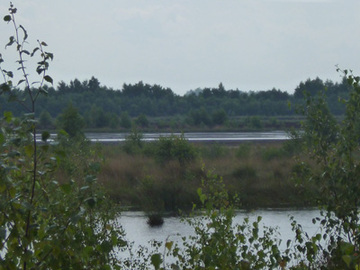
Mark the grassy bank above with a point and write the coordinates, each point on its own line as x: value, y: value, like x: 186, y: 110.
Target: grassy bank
x: 260, y: 174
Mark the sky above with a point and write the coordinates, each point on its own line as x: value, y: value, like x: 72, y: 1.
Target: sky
x: 188, y: 44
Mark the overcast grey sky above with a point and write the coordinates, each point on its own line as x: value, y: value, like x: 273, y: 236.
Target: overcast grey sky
x: 185, y: 44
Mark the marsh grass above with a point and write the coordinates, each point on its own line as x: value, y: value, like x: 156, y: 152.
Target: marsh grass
x: 260, y: 174
x: 214, y: 151
x: 142, y: 182
x: 243, y: 150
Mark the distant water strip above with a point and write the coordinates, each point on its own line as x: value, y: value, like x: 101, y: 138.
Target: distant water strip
x: 196, y: 136
x: 191, y: 136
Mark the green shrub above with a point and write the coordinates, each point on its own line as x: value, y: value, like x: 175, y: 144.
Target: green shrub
x: 334, y: 148
x: 71, y: 122
x: 133, y: 142
x: 149, y: 149
x: 174, y: 148
x: 217, y: 242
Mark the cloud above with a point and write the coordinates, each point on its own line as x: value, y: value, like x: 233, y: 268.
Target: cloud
x: 256, y: 44
x: 303, y: 1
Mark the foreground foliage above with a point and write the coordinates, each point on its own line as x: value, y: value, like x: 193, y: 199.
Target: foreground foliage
x: 45, y: 224
x: 220, y: 244
x: 336, y: 147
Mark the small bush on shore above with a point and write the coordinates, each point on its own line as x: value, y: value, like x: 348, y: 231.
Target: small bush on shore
x: 174, y: 148
x: 133, y: 142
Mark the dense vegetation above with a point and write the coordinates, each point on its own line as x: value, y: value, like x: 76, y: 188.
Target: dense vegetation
x: 156, y: 107
x: 259, y: 174
x: 55, y: 215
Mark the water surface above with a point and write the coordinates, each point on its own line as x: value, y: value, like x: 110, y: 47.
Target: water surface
x: 140, y: 232
x: 195, y: 136
x: 190, y: 136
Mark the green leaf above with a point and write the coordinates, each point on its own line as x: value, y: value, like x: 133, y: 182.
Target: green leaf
x: 91, y: 202
x: 11, y: 42
x: 25, y: 33
x: 14, y: 153
x: 39, y: 69
x: 347, y: 259
x: 34, y: 51
x: 48, y: 79
x: 26, y: 52
x: 29, y: 150
x: 29, y: 115
x: 7, y: 18
x: 84, y: 188
x: 106, y: 247
x: 16, y: 141
x: 169, y: 245
x: 9, y: 73
x: 45, y: 136
x: 288, y: 243
x: 347, y: 248
x: 75, y: 218
x: 66, y: 188
x: 156, y: 260
x: 2, y: 139
x: 21, y: 81
x: 49, y: 55
x: 4, y: 87
x: 90, y: 179
x: 202, y: 196
x: 8, y: 116
x: 88, y: 250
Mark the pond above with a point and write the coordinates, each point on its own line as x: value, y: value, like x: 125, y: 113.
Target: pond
x: 140, y: 232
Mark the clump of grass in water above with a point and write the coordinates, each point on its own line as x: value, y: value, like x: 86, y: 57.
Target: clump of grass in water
x: 155, y: 220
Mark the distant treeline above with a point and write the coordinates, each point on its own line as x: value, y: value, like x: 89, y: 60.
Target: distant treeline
x: 103, y: 107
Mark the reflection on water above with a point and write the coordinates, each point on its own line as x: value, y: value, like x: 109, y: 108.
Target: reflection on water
x: 140, y: 233
x: 191, y: 136
x: 196, y: 136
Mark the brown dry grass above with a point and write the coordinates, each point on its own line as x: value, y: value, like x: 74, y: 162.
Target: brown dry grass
x: 260, y: 175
